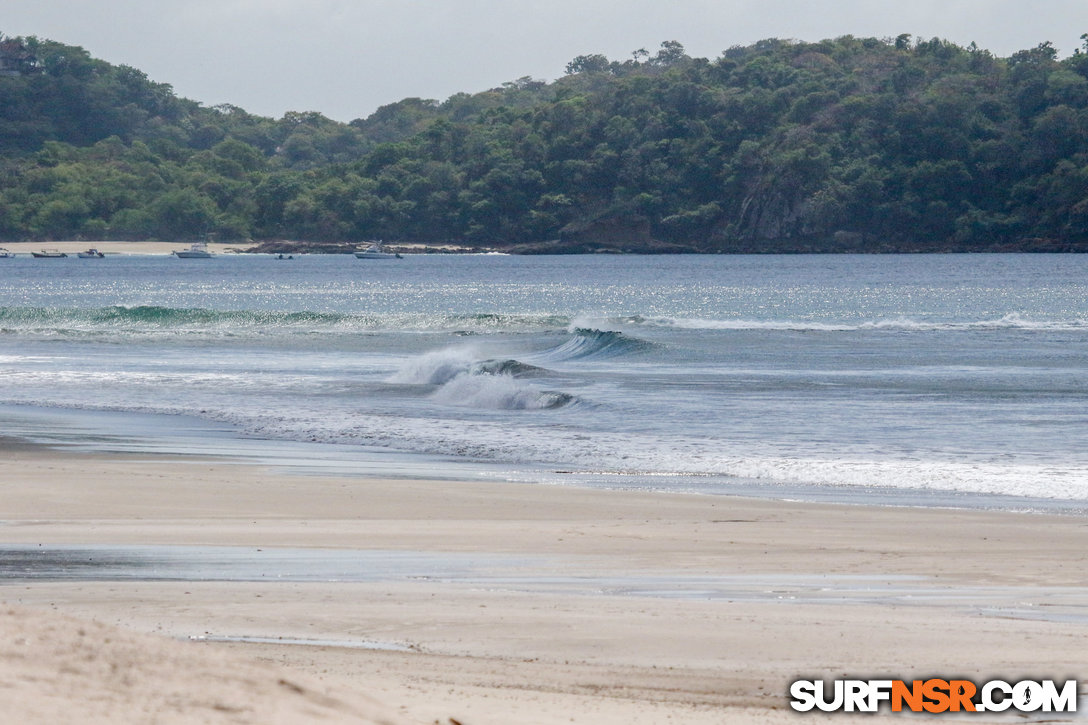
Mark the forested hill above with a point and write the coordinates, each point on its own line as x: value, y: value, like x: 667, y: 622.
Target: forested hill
x: 851, y: 144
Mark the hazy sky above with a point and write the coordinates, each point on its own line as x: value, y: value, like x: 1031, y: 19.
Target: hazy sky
x: 345, y: 58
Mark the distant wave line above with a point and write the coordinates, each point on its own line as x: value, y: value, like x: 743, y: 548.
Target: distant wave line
x: 1009, y: 321
x: 593, y: 334
x: 152, y: 319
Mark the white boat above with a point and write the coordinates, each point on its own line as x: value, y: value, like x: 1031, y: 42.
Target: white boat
x: 5, y: 254
x: 90, y: 254
x: 198, y: 250
x: 48, y: 254
x: 374, y: 251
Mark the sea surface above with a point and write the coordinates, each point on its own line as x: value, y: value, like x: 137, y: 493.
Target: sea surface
x: 921, y: 379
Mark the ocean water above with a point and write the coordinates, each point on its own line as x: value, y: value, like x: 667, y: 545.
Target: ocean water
x: 939, y: 378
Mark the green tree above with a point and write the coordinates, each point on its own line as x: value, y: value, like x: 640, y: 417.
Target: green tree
x: 182, y: 214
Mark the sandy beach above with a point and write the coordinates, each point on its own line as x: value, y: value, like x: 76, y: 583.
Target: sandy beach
x: 502, y: 603
x: 117, y: 247
x: 166, y: 248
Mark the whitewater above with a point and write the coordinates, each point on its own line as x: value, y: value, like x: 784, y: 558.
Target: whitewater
x: 927, y: 379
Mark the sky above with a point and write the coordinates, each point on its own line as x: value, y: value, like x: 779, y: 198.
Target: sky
x: 346, y: 58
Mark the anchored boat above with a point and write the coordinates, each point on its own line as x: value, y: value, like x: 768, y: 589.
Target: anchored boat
x: 198, y: 250
x: 375, y: 251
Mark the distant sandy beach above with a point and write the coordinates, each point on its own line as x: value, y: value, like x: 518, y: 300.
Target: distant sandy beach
x: 479, y: 603
x: 167, y: 248
x: 108, y: 247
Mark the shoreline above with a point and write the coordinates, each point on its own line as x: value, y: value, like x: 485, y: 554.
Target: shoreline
x: 127, y: 248
x: 115, y: 247
x: 546, y: 604
x: 133, y: 248
x: 188, y: 438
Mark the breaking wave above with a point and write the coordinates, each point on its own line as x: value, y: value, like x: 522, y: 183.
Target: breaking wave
x: 513, y: 368
x: 498, y: 392
x: 466, y: 381
x: 592, y: 343
x: 441, y: 366
x: 434, y: 368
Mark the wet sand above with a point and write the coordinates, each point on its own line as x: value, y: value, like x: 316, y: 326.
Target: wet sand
x: 516, y: 603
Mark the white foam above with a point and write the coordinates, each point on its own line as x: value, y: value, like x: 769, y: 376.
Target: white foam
x: 591, y: 321
x: 1008, y: 321
x: 435, y: 368
x: 613, y: 453
x: 464, y: 382
x: 653, y: 455
x: 496, y: 392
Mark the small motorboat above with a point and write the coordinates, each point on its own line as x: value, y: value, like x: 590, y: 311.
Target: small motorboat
x: 374, y: 251
x: 5, y: 254
x: 198, y: 250
x: 91, y: 254
x: 48, y: 254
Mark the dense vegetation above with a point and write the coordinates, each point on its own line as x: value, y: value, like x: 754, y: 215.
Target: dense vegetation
x: 845, y: 144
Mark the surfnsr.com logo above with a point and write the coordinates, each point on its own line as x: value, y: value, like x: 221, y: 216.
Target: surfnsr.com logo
x: 934, y: 695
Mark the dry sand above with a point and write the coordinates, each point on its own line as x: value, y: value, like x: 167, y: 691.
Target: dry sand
x: 539, y: 604
x: 57, y: 669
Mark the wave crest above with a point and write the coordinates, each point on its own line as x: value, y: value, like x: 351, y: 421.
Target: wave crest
x: 499, y: 392
x: 441, y: 366
x: 1012, y: 320
x: 593, y: 343
x: 157, y: 320
x: 434, y: 368
x: 466, y: 381
x: 513, y: 368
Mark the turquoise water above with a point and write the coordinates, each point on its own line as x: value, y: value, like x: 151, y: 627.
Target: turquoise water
x: 942, y: 375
